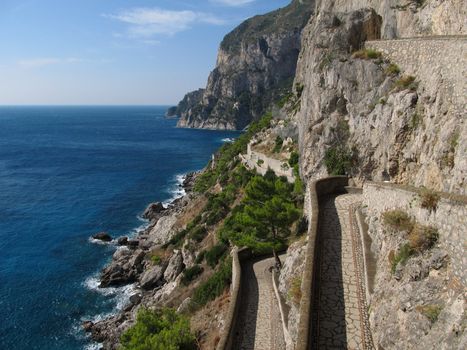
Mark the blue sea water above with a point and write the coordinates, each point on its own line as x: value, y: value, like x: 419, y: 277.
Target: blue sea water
x: 66, y: 173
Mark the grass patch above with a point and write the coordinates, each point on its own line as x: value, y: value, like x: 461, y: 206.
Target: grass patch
x: 191, y: 274
x: 159, y: 330
x: 366, y: 54
x: 398, y: 219
x: 430, y: 311
x: 156, y: 259
x: 406, y: 82
x: 393, y: 69
x: 423, y: 237
x: 278, y: 144
x: 295, y: 291
x: 401, y: 257
x: 215, y: 254
x: 214, y: 286
x: 429, y: 199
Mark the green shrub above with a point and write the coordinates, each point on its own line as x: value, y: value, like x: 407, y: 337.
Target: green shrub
x: 422, y: 237
x: 191, y: 274
x: 200, y: 257
x: 429, y: 199
x: 430, y: 311
x: 198, y: 233
x: 295, y: 291
x: 406, y: 82
x: 159, y: 330
x: 214, y: 286
x: 393, y: 69
x: 278, y: 144
x: 214, y: 254
x: 398, y: 220
x: 293, y: 160
x: 401, y: 257
x: 338, y: 160
x: 156, y: 259
x: 366, y: 54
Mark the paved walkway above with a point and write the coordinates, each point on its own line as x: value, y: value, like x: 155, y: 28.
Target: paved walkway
x: 339, y: 319
x: 259, y: 325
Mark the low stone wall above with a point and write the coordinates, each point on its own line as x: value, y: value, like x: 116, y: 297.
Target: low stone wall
x: 450, y: 217
x: 225, y: 343
x: 261, y: 162
x: 315, y: 190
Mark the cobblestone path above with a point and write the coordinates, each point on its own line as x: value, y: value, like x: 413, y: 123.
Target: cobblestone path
x: 259, y: 322
x: 339, y: 310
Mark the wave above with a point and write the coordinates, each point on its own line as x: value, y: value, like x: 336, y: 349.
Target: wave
x: 176, y: 190
x: 228, y: 139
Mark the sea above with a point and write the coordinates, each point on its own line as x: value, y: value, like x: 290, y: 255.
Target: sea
x: 65, y: 174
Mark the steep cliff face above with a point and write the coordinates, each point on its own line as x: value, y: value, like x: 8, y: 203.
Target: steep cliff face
x: 255, y: 65
x: 397, y: 115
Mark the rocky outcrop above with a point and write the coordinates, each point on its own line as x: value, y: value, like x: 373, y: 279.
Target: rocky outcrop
x: 385, y: 126
x: 102, y: 236
x: 255, y: 65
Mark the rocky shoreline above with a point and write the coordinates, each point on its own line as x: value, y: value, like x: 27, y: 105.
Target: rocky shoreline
x: 134, y: 262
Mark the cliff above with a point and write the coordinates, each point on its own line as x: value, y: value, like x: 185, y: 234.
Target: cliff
x: 255, y: 66
x: 394, y: 110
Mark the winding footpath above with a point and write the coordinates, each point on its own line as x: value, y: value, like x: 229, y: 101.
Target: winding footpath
x: 339, y: 312
x: 259, y: 324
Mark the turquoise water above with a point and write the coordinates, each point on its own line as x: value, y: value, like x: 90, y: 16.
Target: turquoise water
x: 66, y: 173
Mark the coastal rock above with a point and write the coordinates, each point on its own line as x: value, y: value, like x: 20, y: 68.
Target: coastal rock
x: 121, y: 241
x: 162, y: 231
x: 87, y: 326
x: 188, y: 255
x: 153, y: 211
x: 175, y: 266
x: 136, y: 259
x: 184, y: 305
x: 121, y: 253
x: 152, y: 277
x: 102, y: 236
x: 189, y: 181
x: 135, y: 299
x: 133, y: 243
x: 171, y: 112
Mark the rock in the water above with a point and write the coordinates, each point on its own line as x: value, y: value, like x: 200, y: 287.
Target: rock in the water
x: 103, y: 236
x: 174, y: 267
x: 152, y: 277
x: 122, y: 241
x: 153, y: 211
x: 135, y: 299
x: 133, y: 243
x: 87, y: 326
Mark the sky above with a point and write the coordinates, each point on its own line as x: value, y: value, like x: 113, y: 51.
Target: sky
x: 113, y: 52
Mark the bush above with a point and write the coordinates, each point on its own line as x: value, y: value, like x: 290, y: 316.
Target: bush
x: 214, y: 254
x: 191, y: 274
x: 295, y: 291
x: 393, y: 69
x: 422, y: 237
x: 398, y: 220
x: 156, y: 259
x: 198, y: 233
x: 338, y: 160
x: 429, y: 199
x: 158, y: 330
x: 431, y: 311
x: 401, y: 257
x: 214, y: 286
x: 278, y: 144
x: 200, y: 257
x: 406, y: 82
x: 366, y: 54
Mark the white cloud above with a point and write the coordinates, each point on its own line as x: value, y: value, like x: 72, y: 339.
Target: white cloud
x: 233, y: 2
x: 147, y: 22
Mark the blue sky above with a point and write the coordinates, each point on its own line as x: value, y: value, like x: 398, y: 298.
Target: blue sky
x: 113, y: 51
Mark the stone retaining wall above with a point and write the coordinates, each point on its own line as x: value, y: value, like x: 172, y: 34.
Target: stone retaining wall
x: 261, y: 162
x: 450, y: 217
x: 437, y: 62
x: 315, y: 190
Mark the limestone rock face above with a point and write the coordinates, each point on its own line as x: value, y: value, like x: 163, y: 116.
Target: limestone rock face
x: 255, y: 64
x: 174, y: 267
x: 162, y: 231
x: 152, y: 277
x: 413, y: 134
